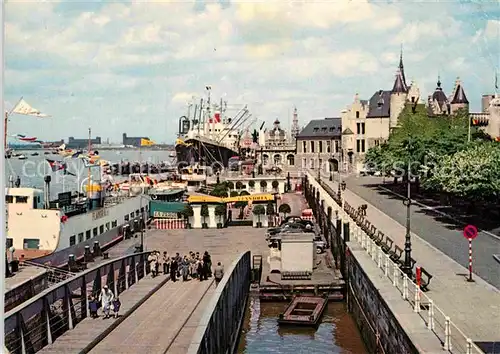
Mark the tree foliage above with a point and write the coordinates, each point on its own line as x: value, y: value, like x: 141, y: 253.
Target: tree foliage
x: 285, y: 209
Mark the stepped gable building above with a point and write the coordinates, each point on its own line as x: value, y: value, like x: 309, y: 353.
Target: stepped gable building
x: 318, y: 142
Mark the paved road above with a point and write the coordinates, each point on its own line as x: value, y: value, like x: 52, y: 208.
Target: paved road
x: 436, y: 230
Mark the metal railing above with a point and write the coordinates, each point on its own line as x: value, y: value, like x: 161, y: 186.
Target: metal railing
x: 452, y: 338
x: 219, y: 327
x: 42, y: 319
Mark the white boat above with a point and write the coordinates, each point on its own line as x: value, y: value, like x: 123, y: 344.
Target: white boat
x: 22, y: 157
x: 172, y: 154
x: 49, y: 235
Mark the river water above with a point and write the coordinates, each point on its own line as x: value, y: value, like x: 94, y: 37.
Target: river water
x: 261, y: 334
x: 33, y: 170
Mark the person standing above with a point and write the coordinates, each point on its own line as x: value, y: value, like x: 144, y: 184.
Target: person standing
x: 185, y: 268
x: 207, y: 265
x: 173, y: 269
x: 200, y: 270
x: 218, y: 273
x: 106, y: 297
x: 158, y: 262
x: 166, y: 263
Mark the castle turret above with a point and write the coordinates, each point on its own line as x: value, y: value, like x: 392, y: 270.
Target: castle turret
x: 458, y: 98
x: 398, y: 99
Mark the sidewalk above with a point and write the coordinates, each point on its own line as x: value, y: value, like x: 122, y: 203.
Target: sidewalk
x: 473, y: 307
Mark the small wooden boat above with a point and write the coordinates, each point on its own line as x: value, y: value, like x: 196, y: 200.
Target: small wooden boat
x: 303, y: 310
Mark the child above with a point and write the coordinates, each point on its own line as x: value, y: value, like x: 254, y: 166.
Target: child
x: 93, y: 307
x: 116, y: 306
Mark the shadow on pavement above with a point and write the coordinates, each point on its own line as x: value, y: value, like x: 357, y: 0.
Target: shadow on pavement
x: 482, y: 215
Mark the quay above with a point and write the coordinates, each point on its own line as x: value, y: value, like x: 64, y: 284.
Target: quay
x: 160, y: 316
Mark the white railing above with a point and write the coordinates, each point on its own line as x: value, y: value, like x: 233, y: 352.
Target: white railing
x: 451, y: 337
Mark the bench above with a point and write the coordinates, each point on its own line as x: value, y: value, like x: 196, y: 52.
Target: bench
x: 366, y: 225
x: 424, y: 280
x: 396, y: 255
x: 378, y: 239
x: 372, y: 231
x: 296, y: 276
x: 387, y: 245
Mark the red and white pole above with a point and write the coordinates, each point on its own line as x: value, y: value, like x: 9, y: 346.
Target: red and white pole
x: 470, y: 260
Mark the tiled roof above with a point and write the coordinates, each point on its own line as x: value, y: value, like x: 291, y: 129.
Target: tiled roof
x: 322, y: 128
x: 399, y: 84
x: 459, y: 96
x: 380, y: 104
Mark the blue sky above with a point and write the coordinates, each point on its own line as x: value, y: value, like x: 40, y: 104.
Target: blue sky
x: 122, y: 67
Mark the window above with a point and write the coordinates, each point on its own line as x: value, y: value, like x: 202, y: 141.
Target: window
x: 376, y: 142
x: 360, y: 128
x: 107, y: 226
x: 87, y: 234
x: 142, y: 210
x: 31, y: 243
x: 9, y: 243
x: 328, y: 146
x: 95, y: 231
x: 21, y: 199
x: 9, y: 199
x: 101, y: 229
x: 332, y: 129
x: 80, y: 237
x: 316, y: 129
x: 312, y: 146
x: 114, y: 224
x: 412, y: 99
x: 311, y: 163
x: 72, y: 240
x: 304, y: 163
x: 337, y: 147
x: 357, y: 114
x: 304, y: 146
x: 360, y: 145
x: 320, y: 147
x: 126, y: 218
x: 137, y: 213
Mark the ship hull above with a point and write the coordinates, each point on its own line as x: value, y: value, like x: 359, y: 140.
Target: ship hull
x: 194, y: 151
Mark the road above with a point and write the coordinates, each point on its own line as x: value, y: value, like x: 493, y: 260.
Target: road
x: 435, y: 229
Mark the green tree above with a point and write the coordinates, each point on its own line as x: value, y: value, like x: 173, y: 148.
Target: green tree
x: 204, y: 212
x: 234, y: 194
x: 285, y: 209
x: 259, y: 210
x: 230, y: 185
x: 220, y: 211
x: 270, y: 208
x: 239, y: 185
x: 244, y: 193
x: 251, y: 184
x: 187, y: 211
x: 275, y: 184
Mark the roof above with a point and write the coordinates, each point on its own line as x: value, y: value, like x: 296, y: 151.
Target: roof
x: 379, y: 106
x: 399, y: 84
x: 322, y: 128
x: 459, y: 95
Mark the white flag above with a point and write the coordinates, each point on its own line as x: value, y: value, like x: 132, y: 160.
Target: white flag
x: 24, y: 108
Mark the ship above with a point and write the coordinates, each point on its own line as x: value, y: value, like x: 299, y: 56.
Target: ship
x: 208, y: 134
x: 48, y: 232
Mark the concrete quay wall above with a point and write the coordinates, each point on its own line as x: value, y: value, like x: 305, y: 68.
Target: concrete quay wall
x: 386, y: 323
x: 25, y: 291
x: 219, y: 328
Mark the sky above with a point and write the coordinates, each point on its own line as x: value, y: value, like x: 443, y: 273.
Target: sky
x: 132, y: 67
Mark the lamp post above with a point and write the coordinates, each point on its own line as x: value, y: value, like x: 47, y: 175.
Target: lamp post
x: 407, y: 268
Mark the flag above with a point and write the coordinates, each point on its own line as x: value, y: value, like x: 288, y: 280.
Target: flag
x: 24, y: 108
x: 146, y: 142
x: 25, y: 138
x: 58, y: 166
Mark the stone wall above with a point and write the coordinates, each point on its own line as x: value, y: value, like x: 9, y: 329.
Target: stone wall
x: 373, y: 302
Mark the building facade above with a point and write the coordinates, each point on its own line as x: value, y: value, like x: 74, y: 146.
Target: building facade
x: 276, y: 147
x: 82, y: 143
x: 319, y: 145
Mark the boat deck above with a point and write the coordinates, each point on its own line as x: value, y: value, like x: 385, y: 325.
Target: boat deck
x: 24, y: 274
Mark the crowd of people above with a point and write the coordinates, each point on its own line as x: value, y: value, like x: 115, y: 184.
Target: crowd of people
x: 194, y: 266
x: 109, y: 303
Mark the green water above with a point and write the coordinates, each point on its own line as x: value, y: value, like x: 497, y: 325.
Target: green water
x: 261, y: 334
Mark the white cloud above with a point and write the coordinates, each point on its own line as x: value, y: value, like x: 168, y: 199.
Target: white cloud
x: 150, y: 58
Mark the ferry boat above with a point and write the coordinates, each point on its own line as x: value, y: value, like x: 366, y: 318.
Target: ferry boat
x: 49, y: 232
x: 209, y: 135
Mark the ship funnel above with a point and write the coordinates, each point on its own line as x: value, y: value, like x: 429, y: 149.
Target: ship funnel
x: 47, y: 180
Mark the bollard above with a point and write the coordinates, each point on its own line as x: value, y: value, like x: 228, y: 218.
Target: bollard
x: 405, y: 287
x: 87, y: 256
x: 469, y: 346
x: 416, y: 308
x: 97, y: 249
x: 105, y: 255
x: 447, y: 334
x: 71, y: 262
x: 430, y: 313
x: 386, y: 266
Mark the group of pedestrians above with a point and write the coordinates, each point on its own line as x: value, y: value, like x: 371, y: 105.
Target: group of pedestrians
x: 193, y: 265
x: 107, y: 300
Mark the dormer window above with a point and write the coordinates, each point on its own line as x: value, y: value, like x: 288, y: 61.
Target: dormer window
x: 380, y: 103
x: 324, y: 129
x: 316, y: 129
x: 332, y: 129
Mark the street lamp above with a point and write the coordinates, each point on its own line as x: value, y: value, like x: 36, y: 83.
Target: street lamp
x: 407, y: 268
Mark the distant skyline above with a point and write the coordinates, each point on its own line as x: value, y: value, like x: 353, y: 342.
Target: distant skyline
x: 121, y: 67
